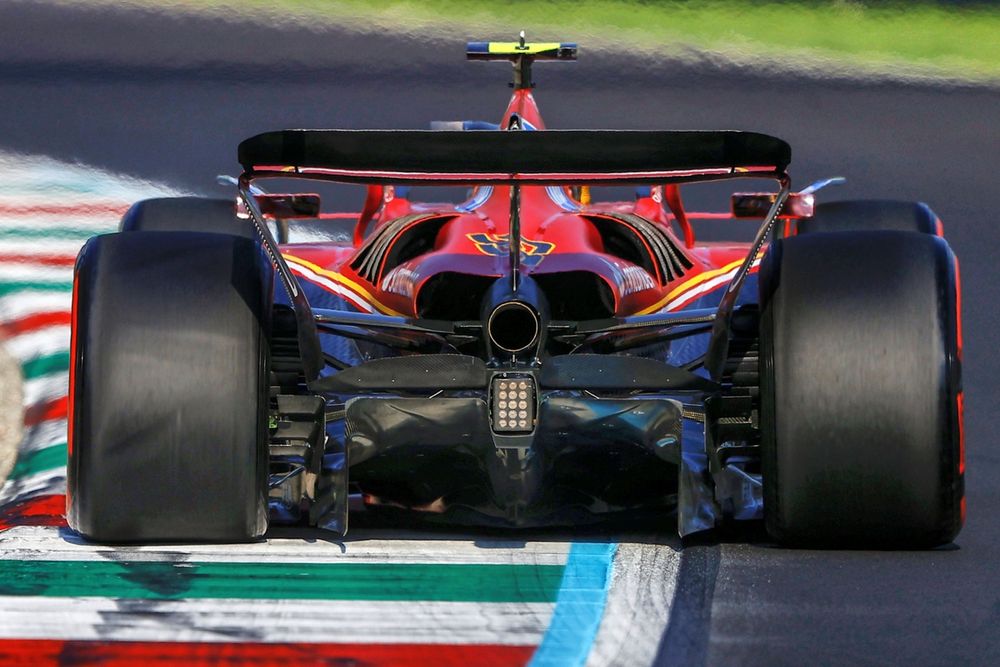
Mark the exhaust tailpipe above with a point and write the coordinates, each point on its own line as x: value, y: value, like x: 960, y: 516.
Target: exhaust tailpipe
x: 513, y: 327
x: 514, y: 320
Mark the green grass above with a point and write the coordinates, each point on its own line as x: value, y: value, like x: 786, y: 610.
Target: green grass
x: 896, y: 39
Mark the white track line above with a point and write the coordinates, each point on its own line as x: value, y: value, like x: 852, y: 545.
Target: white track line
x: 222, y: 620
x: 46, y: 246
x: 43, y: 483
x: 91, y: 223
x: 29, y: 176
x: 46, y: 388
x: 44, y: 434
x: 29, y: 302
x: 50, y: 543
x: 39, y: 342
x: 11, y: 271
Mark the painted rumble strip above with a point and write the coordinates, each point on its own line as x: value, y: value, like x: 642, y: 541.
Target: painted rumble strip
x: 579, y: 607
x: 225, y: 620
x: 28, y: 542
x: 129, y: 654
x: 268, y: 580
x: 39, y: 460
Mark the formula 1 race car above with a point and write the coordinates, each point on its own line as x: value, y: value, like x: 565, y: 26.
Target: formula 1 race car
x: 528, y: 355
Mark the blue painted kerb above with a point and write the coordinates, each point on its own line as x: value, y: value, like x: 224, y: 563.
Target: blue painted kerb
x: 579, y: 606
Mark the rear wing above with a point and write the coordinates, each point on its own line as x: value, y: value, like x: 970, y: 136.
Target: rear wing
x: 549, y: 156
x: 541, y: 157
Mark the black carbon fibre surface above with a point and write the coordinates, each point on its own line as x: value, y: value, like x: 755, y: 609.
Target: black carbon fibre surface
x: 425, y: 372
x: 457, y: 152
x: 610, y: 372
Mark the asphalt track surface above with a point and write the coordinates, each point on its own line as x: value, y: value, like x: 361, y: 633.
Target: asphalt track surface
x: 168, y: 99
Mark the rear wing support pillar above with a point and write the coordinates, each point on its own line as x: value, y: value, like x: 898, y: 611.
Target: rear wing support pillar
x: 718, y: 347
x: 521, y: 54
x: 309, y: 348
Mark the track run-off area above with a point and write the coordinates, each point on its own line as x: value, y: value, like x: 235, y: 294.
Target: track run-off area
x: 377, y: 598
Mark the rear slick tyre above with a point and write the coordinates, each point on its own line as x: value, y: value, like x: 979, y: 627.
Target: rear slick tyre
x: 185, y: 214
x: 861, y: 390
x: 871, y: 215
x: 169, y: 391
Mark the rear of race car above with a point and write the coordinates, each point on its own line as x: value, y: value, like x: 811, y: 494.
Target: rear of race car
x: 211, y: 394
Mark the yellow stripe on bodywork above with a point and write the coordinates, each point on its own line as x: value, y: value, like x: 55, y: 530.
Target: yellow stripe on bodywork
x: 362, y: 293
x: 689, y: 285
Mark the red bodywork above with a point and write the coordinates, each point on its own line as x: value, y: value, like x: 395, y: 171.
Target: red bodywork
x: 556, y: 238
